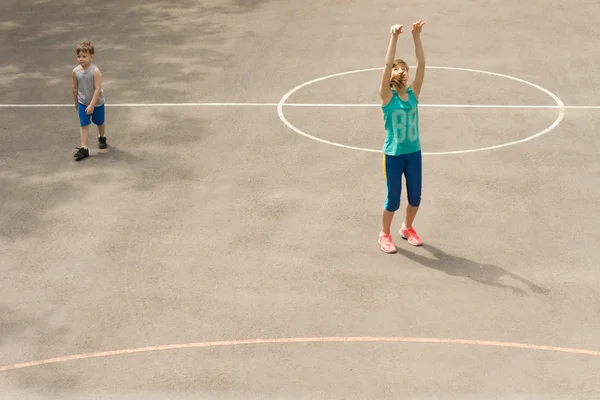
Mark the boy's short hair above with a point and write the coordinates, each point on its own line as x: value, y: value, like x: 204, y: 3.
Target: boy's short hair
x: 86, y: 47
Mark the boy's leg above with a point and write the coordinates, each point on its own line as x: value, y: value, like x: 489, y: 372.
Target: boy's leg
x: 84, y: 130
x: 83, y: 151
x: 414, y: 180
x: 84, y: 134
x: 98, y: 119
x: 101, y: 138
x: 392, y: 170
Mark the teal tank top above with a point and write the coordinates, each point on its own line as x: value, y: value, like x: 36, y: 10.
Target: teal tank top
x: 401, y: 125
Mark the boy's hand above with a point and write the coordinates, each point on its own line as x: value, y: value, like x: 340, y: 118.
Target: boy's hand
x: 89, y: 110
x: 396, y: 30
x: 417, y: 26
x: 76, y: 106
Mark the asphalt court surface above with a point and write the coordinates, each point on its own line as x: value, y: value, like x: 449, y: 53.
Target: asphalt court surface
x: 251, y: 250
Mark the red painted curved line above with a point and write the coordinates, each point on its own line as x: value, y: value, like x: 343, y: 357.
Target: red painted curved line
x: 298, y: 340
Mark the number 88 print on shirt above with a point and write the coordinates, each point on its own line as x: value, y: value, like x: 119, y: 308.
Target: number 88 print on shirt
x: 401, y: 125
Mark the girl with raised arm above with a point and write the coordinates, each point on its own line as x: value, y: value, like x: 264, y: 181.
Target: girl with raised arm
x: 402, y: 145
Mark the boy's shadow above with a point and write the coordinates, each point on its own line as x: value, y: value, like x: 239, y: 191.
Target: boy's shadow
x: 483, y: 273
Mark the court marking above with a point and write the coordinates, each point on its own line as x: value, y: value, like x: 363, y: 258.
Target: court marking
x: 559, y: 105
x: 524, y: 106
x: 363, y: 339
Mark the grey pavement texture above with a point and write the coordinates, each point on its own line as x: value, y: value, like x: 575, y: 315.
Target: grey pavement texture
x: 212, y: 223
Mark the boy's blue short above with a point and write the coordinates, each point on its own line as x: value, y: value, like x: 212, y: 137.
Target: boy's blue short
x: 97, y: 116
x: 409, y: 165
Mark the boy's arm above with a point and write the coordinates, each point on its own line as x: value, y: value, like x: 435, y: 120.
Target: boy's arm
x: 384, y: 86
x: 420, y: 73
x: 75, y: 87
x: 97, y: 87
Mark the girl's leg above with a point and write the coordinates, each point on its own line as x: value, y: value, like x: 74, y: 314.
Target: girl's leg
x: 411, y: 213
x: 392, y: 169
x: 386, y: 221
x: 414, y: 181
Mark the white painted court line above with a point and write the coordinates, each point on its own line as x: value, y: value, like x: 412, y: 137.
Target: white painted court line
x: 515, y: 106
x: 443, y: 105
x: 151, y: 105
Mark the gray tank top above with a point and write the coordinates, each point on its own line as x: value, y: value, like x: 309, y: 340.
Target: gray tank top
x: 85, y: 81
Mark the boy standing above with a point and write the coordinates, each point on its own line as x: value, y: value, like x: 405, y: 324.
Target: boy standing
x: 89, y: 98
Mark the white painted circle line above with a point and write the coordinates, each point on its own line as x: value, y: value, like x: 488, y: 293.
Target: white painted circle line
x: 298, y: 131
x: 559, y: 104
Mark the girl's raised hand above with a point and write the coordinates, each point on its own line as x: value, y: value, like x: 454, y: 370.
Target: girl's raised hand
x: 417, y: 26
x: 396, y: 30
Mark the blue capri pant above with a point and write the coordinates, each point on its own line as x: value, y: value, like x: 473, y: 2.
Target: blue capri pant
x: 409, y: 165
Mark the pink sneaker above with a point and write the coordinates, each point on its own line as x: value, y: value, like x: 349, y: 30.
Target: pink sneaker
x: 386, y: 243
x: 410, y: 235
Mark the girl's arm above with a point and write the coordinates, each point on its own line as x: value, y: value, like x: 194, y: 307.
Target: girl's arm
x: 420, y: 73
x: 384, y: 86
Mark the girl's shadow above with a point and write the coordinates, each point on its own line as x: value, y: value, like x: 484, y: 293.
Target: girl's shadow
x: 483, y: 273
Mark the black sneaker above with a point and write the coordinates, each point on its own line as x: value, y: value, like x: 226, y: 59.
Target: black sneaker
x: 102, y: 142
x: 81, y: 153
